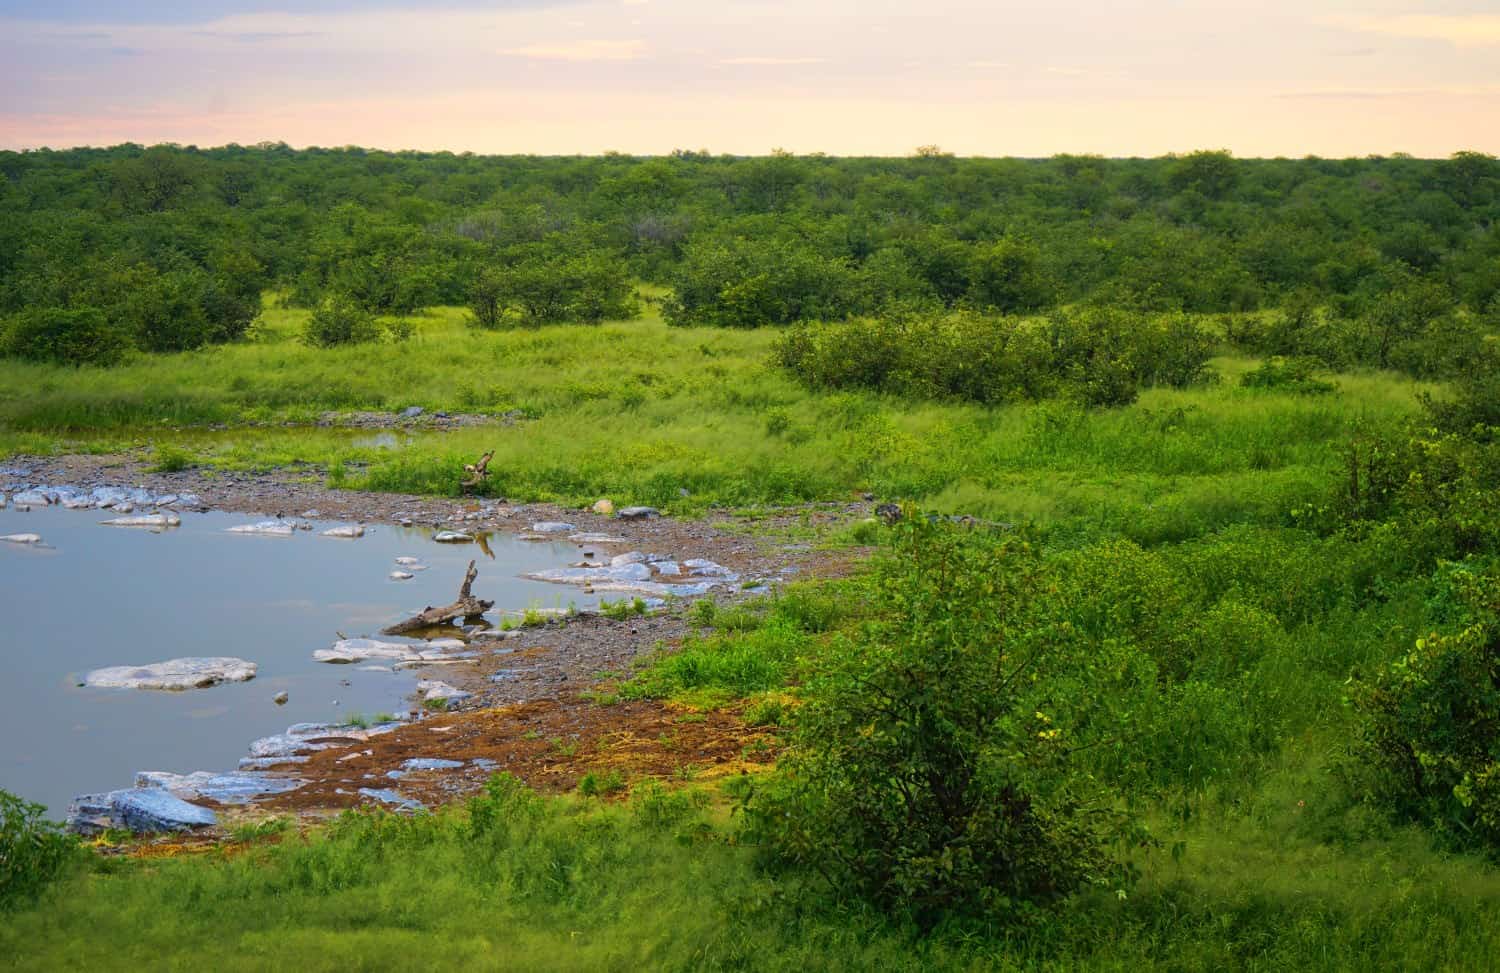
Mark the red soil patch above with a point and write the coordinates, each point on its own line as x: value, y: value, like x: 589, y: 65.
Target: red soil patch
x: 549, y: 744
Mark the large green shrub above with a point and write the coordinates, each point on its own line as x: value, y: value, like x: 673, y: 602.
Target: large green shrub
x: 1098, y: 356
x: 932, y: 766
x: 72, y: 336
x: 587, y: 289
x: 1428, y: 743
x: 750, y: 283
x: 33, y: 850
x: 340, y: 321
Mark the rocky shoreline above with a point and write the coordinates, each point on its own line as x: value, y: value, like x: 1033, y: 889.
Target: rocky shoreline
x: 544, y: 665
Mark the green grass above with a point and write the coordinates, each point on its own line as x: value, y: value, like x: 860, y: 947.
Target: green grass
x: 639, y: 411
x: 568, y: 884
x: 1170, y: 523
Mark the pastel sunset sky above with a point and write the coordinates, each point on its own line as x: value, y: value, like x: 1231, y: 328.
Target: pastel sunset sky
x: 1132, y: 77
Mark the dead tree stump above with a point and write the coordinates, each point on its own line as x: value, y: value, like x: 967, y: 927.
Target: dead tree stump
x: 467, y: 606
x: 476, y: 473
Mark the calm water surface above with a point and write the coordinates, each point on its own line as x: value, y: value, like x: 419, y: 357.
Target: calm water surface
x: 102, y: 596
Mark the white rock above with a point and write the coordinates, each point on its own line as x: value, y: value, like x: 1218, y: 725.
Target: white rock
x: 31, y: 498
x: 452, y: 537
x: 21, y: 538
x: 436, y: 689
x: 156, y: 521
x: 595, y: 538
x: 401, y: 576
x: 552, y: 527
x: 271, y: 528
x: 174, y: 674
x: 407, y: 561
x: 353, y: 530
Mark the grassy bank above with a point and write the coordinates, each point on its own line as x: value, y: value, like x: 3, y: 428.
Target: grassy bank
x: 640, y: 411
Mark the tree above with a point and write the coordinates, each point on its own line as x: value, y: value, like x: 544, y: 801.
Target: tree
x: 1212, y: 173
x: 931, y: 769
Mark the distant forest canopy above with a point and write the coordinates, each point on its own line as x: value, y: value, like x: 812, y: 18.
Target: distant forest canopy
x: 167, y: 248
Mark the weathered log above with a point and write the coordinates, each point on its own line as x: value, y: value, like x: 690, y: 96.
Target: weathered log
x: 467, y: 606
x: 476, y: 473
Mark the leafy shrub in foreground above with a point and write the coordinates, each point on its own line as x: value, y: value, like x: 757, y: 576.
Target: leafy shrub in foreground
x: 932, y: 770
x: 70, y: 336
x: 32, y: 850
x: 1428, y: 746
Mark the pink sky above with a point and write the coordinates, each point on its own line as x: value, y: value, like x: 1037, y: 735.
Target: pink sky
x: 1330, y: 78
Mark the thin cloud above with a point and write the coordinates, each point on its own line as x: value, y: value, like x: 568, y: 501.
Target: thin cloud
x: 1460, y: 30
x: 773, y: 61
x: 632, y: 50
x: 257, y: 36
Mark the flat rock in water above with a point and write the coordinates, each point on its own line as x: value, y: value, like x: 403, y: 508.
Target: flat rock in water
x: 153, y: 521
x: 552, y: 527
x: 589, y: 537
x: 174, y: 674
x: 452, y: 537
x: 412, y: 563
x: 140, y: 809
x: 21, y: 538
x: 639, y: 513
x: 350, y: 531
x: 30, y: 498
x: 358, y: 650
x: 270, y: 528
x: 401, y: 576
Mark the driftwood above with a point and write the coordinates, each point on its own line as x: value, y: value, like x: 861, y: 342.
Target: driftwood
x: 467, y: 606
x: 476, y: 473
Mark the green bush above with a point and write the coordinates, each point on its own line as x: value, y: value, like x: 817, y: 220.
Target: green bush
x: 540, y: 290
x: 32, y: 850
x: 1428, y: 742
x: 70, y: 336
x: 340, y: 321
x: 751, y: 283
x: 1296, y: 375
x: 1098, y: 356
x: 932, y: 766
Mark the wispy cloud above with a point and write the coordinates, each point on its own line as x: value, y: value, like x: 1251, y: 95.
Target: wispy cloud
x: 772, y: 60
x: 1460, y: 30
x: 594, y: 50
x: 257, y: 36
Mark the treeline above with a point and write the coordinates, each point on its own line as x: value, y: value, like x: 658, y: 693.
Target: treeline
x: 125, y: 238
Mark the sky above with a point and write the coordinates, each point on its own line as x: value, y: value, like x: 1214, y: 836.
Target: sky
x: 845, y: 77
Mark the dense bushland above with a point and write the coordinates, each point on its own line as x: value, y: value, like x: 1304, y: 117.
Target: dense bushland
x: 172, y: 245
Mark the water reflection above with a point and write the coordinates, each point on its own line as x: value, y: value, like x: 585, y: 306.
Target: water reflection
x: 94, y: 596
